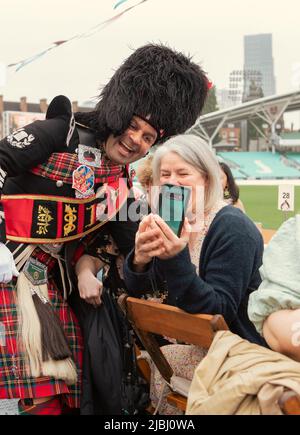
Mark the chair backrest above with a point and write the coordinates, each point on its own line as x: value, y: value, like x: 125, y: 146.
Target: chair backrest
x: 148, y: 318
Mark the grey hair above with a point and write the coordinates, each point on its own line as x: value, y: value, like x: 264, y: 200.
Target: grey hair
x: 197, y: 153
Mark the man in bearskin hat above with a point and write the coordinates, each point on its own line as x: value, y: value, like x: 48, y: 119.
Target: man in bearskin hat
x: 51, y: 175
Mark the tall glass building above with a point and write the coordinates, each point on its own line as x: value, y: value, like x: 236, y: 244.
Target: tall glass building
x: 258, y: 65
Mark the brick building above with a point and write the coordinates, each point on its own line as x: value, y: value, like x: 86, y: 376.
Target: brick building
x: 25, y: 111
x: 230, y: 135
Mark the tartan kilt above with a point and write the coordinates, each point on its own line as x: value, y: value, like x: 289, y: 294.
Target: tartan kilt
x: 14, y: 383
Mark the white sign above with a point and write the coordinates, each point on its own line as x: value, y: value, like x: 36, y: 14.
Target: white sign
x: 286, y: 197
x: 15, y: 120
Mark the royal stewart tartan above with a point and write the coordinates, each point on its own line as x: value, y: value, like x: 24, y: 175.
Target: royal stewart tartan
x: 14, y: 383
x: 60, y: 166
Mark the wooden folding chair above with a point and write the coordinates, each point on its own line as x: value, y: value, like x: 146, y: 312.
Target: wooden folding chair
x: 148, y: 318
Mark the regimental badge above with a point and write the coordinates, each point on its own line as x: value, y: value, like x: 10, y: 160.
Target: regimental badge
x: 70, y: 217
x: 89, y: 156
x: 84, y: 180
x: 44, y: 218
x: 20, y: 138
x: 35, y: 272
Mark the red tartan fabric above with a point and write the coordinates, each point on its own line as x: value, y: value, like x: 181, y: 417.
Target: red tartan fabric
x: 60, y: 166
x: 51, y: 407
x: 14, y: 383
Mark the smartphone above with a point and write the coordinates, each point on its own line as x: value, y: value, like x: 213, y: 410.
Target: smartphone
x: 172, y: 205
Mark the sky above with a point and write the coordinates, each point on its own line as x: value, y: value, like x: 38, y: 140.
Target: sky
x: 211, y: 31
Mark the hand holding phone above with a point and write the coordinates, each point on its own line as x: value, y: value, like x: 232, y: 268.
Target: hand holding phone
x: 171, y: 243
x: 172, y: 205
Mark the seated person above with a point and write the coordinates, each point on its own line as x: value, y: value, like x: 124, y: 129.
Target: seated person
x: 275, y: 307
x: 143, y: 194
x: 144, y: 175
x: 211, y: 268
x: 231, y: 190
x: 241, y: 378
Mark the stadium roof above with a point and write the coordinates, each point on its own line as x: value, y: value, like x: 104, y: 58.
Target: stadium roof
x: 270, y: 109
x: 245, y: 110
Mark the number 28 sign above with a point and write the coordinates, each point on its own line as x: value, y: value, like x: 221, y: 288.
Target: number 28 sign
x: 286, y: 196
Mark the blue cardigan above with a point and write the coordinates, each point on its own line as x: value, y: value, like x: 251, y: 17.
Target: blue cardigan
x: 230, y: 259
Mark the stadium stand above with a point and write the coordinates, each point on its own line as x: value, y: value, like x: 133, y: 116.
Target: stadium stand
x: 256, y: 165
x: 295, y: 157
x: 237, y: 174
x: 260, y: 165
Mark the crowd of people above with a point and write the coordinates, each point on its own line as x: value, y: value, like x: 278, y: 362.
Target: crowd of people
x: 65, y: 189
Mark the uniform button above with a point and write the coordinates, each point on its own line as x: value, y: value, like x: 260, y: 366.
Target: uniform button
x: 59, y: 183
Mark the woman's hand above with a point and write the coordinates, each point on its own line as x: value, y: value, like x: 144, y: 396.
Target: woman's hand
x: 148, y: 243
x: 171, y: 243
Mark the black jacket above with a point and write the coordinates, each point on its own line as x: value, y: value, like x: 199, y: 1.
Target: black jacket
x: 19, y: 153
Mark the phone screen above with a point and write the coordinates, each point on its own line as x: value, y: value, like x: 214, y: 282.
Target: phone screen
x: 173, y: 202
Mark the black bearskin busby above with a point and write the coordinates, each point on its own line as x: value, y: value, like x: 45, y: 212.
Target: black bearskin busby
x: 154, y: 81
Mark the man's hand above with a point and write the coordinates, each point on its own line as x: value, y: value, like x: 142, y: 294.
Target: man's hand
x: 7, y: 265
x: 90, y: 288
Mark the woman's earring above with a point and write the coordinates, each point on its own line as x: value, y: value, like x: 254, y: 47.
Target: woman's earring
x: 226, y: 193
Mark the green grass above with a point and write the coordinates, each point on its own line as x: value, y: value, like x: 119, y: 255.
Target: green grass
x: 261, y: 205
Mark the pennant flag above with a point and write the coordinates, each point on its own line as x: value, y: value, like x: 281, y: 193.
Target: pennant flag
x: 28, y: 60
x: 20, y: 64
x: 119, y: 3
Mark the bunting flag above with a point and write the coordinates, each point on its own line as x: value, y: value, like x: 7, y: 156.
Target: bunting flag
x: 20, y: 64
x: 119, y: 3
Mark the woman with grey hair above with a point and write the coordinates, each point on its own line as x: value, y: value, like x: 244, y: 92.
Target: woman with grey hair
x: 211, y: 268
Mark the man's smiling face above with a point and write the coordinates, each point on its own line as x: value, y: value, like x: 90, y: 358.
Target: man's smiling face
x: 133, y: 144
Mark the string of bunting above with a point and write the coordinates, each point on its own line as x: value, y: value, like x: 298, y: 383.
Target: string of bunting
x: 19, y: 65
